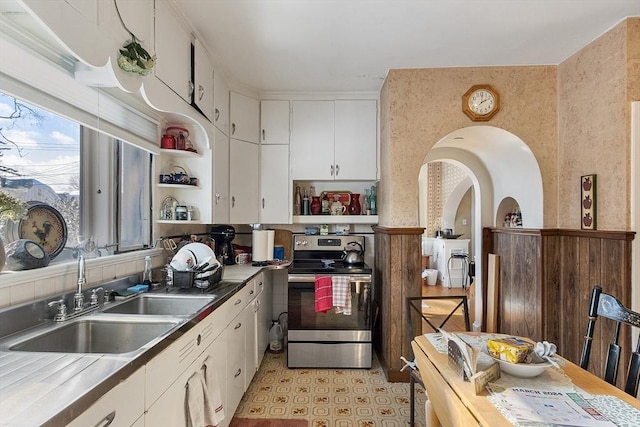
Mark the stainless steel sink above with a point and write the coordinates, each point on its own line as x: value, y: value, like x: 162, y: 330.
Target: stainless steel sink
x: 159, y: 304
x: 98, y: 335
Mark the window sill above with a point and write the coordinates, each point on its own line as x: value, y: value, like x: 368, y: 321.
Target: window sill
x: 12, y: 278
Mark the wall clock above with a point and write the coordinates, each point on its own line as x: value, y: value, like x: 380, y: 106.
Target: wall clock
x: 481, y: 103
x: 44, y: 225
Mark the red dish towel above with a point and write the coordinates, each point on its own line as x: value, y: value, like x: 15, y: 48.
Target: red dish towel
x: 324, y: 294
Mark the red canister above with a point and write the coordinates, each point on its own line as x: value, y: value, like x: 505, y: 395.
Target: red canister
x: 168, y: 142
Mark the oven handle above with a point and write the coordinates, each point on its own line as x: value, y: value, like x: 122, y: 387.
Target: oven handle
x: 311, y: 278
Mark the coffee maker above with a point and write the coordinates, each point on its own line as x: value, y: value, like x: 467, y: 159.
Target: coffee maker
x: 223, y: 235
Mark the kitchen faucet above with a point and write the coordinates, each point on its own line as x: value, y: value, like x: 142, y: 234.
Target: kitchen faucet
x: 78, y: 298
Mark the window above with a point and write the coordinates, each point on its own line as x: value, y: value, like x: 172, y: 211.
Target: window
x: 99, y: 184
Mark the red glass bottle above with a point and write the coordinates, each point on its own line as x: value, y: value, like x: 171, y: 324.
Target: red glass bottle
x: 354, y: 204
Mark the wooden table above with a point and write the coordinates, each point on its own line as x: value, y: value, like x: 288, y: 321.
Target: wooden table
x: 455, y: 402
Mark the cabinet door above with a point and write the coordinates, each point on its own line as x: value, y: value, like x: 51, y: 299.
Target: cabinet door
x: 123, y: 404
x: 236, y: 356
x: 220, y: 103
x: 203, y: 80
x: 275, y: 186
x: 274, y: 121
x: 356, y: 139
x: 244, y: 183
x: 265, y: 309
x: 245, y: 117
x: 221, y: 177
x: 173, y: 48
x: 250, y: 315
x: 312, y: 128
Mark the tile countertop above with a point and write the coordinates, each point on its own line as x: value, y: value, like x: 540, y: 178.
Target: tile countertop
x: 53, y: 388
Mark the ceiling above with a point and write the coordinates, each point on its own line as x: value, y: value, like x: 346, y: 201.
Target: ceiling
x: 349, y: 45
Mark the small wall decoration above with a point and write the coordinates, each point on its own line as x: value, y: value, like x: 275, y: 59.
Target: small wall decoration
x: 588, y: 202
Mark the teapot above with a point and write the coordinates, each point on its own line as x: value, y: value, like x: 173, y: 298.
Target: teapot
x: 353, y: 256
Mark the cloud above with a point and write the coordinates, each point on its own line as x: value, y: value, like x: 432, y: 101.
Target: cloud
x: 62, y: 138
x: 24, y: 138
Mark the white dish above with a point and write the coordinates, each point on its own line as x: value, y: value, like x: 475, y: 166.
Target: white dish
x: 183, y: 260
x: 522, y: 370
x: 200, y: 250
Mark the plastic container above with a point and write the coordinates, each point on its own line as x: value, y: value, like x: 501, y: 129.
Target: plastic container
x: 431, y: 276
x: 276, y: 338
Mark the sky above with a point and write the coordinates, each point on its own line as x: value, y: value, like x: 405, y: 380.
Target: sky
x: 50, y: 148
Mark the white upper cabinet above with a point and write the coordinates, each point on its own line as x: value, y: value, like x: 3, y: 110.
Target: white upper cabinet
x: 220, y: 103
x: 203, y: 80
x: 356, y: 139
x: 274, y: 122
x: 276, y: 202
x: 334, y: 140
x: 173, y: 48
x: 244, y: 175
x: 221, y: 178
x: 245, y: 118
x: 312, y: 136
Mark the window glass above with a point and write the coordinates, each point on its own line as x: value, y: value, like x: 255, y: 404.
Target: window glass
x: 100, y: 185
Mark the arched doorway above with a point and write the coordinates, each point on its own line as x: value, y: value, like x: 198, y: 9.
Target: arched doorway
x: 498, y: 166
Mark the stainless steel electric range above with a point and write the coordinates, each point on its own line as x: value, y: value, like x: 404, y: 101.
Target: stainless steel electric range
x: 337, y: 338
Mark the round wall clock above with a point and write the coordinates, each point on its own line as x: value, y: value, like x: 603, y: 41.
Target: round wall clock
x: 44, y: 225
x: 481, y: 102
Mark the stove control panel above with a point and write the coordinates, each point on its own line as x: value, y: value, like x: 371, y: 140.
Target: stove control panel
x: 323, y: 243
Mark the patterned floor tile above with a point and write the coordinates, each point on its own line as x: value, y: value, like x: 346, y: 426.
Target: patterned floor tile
x: 329, y: 397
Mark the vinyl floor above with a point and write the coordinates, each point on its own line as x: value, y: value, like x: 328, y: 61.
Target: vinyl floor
x: 329, y: 397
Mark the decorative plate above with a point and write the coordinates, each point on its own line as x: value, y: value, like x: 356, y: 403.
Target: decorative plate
x: 44, y: 225
x: 345, y: 196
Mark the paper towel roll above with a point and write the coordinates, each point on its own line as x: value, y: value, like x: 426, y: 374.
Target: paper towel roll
x: 259, y: 246
x: 271, y: 235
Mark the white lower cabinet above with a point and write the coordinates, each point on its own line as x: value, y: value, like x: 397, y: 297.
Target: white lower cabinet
x: 121, y: 406
x: 170, y: 408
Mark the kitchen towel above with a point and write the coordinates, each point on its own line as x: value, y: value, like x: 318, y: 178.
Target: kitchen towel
x: 341, y: 294
x: 197, y: 402
x: 212, y: 388
x: 259, y: 246
x: 324, y: 294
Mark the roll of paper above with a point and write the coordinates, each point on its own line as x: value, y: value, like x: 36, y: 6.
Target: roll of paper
x: 259, y: 246
x: 271, y: 235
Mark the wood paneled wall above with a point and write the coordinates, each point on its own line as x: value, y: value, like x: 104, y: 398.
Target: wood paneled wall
x: 546, y: 277
x: 397, y: 275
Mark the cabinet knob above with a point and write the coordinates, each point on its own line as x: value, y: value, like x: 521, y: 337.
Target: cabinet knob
x: 337, y: 170
x: 217, y: 198
x: 200, y: 92
x: 331, y: 170
x: 216, y: 115
x: 238, y: 372
x: 233, y: 128
x: 233, y: 201
x: 191, y: 88
x: 106, y: 421
x: 263, y: 203
x: 263, y: 135
x: 238, y: 326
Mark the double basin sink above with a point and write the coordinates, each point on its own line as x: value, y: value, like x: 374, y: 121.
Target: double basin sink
x: 117, y: 328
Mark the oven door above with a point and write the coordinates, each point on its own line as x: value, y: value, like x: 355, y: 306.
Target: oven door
x: 305, y: 323
x: 331, y: 339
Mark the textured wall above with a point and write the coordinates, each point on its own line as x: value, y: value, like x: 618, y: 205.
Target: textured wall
x: 596, y: 86
x: 420, y: 106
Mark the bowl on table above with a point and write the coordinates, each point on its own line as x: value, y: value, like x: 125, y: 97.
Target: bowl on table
x: 523, y: 369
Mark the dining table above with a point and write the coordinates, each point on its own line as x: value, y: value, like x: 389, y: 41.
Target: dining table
x: 453, y: 401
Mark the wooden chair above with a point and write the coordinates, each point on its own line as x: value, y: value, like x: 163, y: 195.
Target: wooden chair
x: 414, y: 375
x: 608, y: 306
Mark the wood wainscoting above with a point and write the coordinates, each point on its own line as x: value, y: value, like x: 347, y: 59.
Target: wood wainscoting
x: 397, y: 275
x: 546, y: 278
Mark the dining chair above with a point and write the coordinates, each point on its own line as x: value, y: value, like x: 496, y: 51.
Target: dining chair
x: 456, y: 304
x: 608, y: 306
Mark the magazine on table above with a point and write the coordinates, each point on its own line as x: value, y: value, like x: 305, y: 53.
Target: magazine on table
x: 526, y: 406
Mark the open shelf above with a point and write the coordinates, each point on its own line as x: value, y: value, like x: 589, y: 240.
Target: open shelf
x: 335, y: 219
x: 179, y: 186
x: 175, y: 221
x: 179, y: 153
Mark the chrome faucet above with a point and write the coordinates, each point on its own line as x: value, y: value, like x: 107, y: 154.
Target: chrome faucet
x: 78, y: 297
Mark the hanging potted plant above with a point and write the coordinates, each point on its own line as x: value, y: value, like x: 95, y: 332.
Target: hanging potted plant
x: 132, y: 57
